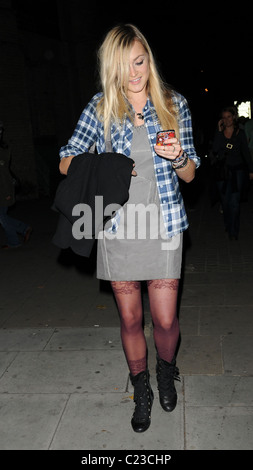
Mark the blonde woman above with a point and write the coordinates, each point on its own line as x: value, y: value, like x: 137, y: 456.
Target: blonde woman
x: 135, y: 104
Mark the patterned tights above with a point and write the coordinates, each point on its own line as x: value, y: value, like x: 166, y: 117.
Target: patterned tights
x: 163, y: 302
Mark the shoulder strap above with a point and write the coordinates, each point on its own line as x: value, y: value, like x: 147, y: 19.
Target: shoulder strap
x: 108, y: 144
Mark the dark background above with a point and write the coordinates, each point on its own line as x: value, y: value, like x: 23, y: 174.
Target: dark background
x: 49, y: 69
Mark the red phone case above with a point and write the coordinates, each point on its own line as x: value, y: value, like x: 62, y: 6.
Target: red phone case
x: 162, y: 135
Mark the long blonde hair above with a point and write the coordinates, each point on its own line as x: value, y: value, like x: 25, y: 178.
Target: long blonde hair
x: 114, y: 71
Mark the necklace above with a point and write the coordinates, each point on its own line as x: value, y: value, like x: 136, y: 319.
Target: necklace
x: 140, y: 116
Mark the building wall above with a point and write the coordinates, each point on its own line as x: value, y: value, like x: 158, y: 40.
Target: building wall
x: 14, y: 106
x: 46, y: 78
x: 48, y: 74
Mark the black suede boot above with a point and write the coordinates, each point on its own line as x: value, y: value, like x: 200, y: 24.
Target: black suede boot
x: 166, y: 373
x: 143, y: 398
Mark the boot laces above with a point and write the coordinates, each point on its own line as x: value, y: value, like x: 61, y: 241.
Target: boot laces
x: 166, y: 376
x: 143, y: 401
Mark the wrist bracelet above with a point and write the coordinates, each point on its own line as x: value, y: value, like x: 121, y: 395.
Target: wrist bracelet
x: 183, y: 168
x: 179, y: 158
x: 180, y: 163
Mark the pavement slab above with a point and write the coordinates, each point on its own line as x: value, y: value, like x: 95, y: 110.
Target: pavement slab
x: 64, y: 381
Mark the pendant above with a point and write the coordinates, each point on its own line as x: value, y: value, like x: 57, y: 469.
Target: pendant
x: 140, y: 116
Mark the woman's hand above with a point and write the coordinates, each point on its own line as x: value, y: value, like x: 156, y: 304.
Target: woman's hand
x: 64, y: 164
x: 220, y: 125
x: 170, y: 149
x: 134, y: 173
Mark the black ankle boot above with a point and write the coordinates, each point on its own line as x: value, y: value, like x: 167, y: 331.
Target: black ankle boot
x: 143, y: 398
x: 166, y: 373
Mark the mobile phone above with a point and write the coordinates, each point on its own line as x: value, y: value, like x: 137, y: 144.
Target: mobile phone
x: 162, y: 135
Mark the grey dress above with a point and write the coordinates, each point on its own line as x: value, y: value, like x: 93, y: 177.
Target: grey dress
x: 140, y: 249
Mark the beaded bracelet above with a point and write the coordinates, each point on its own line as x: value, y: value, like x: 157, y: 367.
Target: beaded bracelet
x: 179, y: 159
x: 183, y: 168
x: 180, y: 163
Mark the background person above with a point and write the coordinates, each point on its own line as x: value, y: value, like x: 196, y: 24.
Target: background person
x: 234, y: 168
x: 16, y: 231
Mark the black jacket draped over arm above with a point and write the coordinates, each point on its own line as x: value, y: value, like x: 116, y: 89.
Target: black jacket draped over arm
x: 107, y: 175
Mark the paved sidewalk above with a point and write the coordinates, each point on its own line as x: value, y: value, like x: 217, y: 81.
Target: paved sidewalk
x: 63, y: 376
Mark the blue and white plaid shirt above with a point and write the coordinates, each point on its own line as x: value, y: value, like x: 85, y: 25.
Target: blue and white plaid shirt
x: 90, y: 130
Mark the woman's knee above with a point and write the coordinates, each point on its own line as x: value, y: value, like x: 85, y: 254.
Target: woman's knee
x: 131, y: 320
x: 166, y: 323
